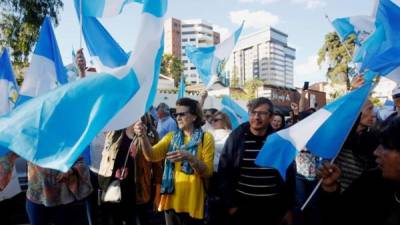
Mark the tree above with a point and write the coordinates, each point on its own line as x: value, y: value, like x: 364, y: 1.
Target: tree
x: 235, y: 77
x: 335, y: 54
x: 20, y: 21
x: 172, y: 67
x: 251, y: 87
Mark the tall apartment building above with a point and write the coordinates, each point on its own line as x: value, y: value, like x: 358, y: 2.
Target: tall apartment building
x: 179, y: 33
x: 264, y: 55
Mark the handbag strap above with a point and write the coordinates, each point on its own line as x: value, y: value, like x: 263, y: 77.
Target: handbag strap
x: 126, y: 160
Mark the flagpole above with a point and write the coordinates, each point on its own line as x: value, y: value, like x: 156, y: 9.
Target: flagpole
x: 333, y: 160
x: 344, y: 45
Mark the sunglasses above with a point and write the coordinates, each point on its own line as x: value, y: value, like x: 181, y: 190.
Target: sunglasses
x: 216, y: 120
x: 180, y: 114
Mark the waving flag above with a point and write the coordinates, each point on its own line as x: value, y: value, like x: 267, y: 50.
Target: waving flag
x: 46, y: 70
x: 235, y: 112
x: 105, y: 51
x: 181, y: 92
x: 382, y: 53
x: 103, y: 8
x: 361, y: 26
x: 52, y: 130
x: 319, y: 132
x: 8, y: 85
x: 209, y: 61
x: 8, y: 96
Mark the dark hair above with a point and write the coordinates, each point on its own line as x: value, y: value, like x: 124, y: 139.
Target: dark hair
x: 212, y: 110
x: 225, y: 118
x: 194, y: 109
x: 260, y: 101
x: 163, y: 107
x: 283, y: 124
x: 389, y: 135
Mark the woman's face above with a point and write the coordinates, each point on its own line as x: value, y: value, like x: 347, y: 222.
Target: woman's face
x: 184, y: 118
x: 368, y: 115
x: 276, y: 122
x: 218, y: 122
x: 388, y: 161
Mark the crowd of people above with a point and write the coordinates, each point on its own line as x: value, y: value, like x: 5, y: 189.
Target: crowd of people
x: 192, y: 167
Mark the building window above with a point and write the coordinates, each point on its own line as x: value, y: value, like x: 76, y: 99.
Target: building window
x: 188, y: 32
x: 187, y: 25
x: 192, y: 39
x: 184, y: 40
x: 192, y: 68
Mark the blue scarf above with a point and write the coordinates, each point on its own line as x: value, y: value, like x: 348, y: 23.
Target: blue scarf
x: 177, y: 143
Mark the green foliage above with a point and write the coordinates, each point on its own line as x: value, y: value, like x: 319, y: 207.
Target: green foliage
x: 235, y: 77
x: 250, y: 90
x: 338, y: 56
x: 20, y: 21
x: 171, y: 66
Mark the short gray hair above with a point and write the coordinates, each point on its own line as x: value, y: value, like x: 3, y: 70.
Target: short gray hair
x: 254, y: 103
x: 163, y: 107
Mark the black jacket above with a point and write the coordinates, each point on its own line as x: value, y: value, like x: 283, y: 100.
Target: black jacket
x: 369, y: 200
x: 229, y: 168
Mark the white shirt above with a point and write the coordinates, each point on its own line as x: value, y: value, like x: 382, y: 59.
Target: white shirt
x: 220, y: 136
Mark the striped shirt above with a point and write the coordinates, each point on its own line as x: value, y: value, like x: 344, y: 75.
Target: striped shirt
x: 350, y: 166
x: 256, y: 182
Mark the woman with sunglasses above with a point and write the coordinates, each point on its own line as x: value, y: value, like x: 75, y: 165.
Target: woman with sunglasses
x: 188, y: 154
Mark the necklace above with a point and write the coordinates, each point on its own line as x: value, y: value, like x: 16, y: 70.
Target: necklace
x: 396, y: 197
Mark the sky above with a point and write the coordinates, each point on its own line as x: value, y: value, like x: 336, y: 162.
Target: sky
x: 303, y: 20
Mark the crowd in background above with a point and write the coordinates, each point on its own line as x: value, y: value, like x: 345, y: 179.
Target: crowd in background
x: 192, y: 167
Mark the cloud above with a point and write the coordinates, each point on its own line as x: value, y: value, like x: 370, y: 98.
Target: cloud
x: 259, y: 1
x: 308, y: 67
x: 311, y: 4
x: 255, y: 19
x: 309, y: 71
x: 223, y: 31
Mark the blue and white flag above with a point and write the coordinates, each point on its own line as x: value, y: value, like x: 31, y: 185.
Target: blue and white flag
x: 209, y: 61
x: 235, y: 112
x: 145, y: 59
x: 361, y: 26
x: 46, y: 70
x: 320, y: 132
x: 182, y: 86
x: 381, y: 52
x: 102, y: 8
x: 52, y: 130
x: 104, y: 50
x: 8, y: 84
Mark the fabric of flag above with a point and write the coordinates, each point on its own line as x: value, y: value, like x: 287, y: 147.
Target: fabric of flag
x: 361, y: 26
x: 381, y: 52
x: 319, y: 133
x: 209, y: 61
x: 145, y: 59
x: 46, y: 70
x: 104, y: 50
x: 235, y: 112
x: 103, y: 8
x: 8, y: 97
x: 181, y: 91
x: 8, y: 84
x: 52, y: 130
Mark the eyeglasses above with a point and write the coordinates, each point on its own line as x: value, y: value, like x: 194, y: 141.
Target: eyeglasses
x: 216, y: 120
x: 259, y: 113
x: 180, y: 114
x: 208, y: 116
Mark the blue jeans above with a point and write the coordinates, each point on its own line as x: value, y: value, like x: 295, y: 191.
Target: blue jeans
x: 73, y: 213
x: 310, y: 215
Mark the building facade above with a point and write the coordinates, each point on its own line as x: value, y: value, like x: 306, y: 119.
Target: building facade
x: 180, y: 33
x: 263, y: 55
